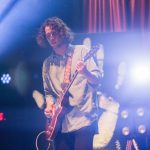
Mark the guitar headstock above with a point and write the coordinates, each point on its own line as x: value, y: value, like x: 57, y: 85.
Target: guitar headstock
x: 91, y: 52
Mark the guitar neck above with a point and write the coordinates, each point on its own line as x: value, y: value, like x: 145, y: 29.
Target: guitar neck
x: 88, y: 55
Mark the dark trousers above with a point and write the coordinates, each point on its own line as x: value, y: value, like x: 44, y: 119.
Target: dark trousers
x: 81, y: 139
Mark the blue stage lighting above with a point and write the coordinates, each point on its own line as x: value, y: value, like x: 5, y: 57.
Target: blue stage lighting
x: 142, y: 129
x: 140, y: 73
x: 140, y: 111
x: 124, y: 114
x: 6, y: 78
x: 125, y: 131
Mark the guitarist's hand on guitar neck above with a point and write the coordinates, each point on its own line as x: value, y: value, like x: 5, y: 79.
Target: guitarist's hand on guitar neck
x: 81, y: 67
x: 50, y: 108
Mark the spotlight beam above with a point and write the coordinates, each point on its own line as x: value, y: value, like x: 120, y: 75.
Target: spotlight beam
x: 6, y: 7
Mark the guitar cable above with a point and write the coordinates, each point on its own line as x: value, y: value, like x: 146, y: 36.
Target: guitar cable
x: 37, y: 138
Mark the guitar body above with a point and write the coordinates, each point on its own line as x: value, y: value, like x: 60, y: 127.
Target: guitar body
x: 53, y: 124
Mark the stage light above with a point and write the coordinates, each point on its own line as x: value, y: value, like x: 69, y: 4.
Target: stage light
x: 125, y: 131
x: 2, y: 116
x: 6, y: 78
x: 140, y: 73
x: 140, y: 112
x: 142, y: 128
x: 124, y: 114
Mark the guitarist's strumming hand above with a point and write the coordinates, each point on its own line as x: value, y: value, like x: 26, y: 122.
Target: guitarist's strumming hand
x: 50, y: 109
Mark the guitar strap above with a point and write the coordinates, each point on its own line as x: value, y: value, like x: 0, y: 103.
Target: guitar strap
x: 67, y: 72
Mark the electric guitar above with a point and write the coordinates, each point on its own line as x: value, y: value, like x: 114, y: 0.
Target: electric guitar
x: 53, y: 124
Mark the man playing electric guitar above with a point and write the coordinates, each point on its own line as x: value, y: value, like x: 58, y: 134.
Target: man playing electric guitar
x: 78, y: 125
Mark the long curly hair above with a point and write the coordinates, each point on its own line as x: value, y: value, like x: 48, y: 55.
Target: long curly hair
x: 57, y: 24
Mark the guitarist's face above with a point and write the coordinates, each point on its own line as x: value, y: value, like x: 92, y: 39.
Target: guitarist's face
x: 53, y: 37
